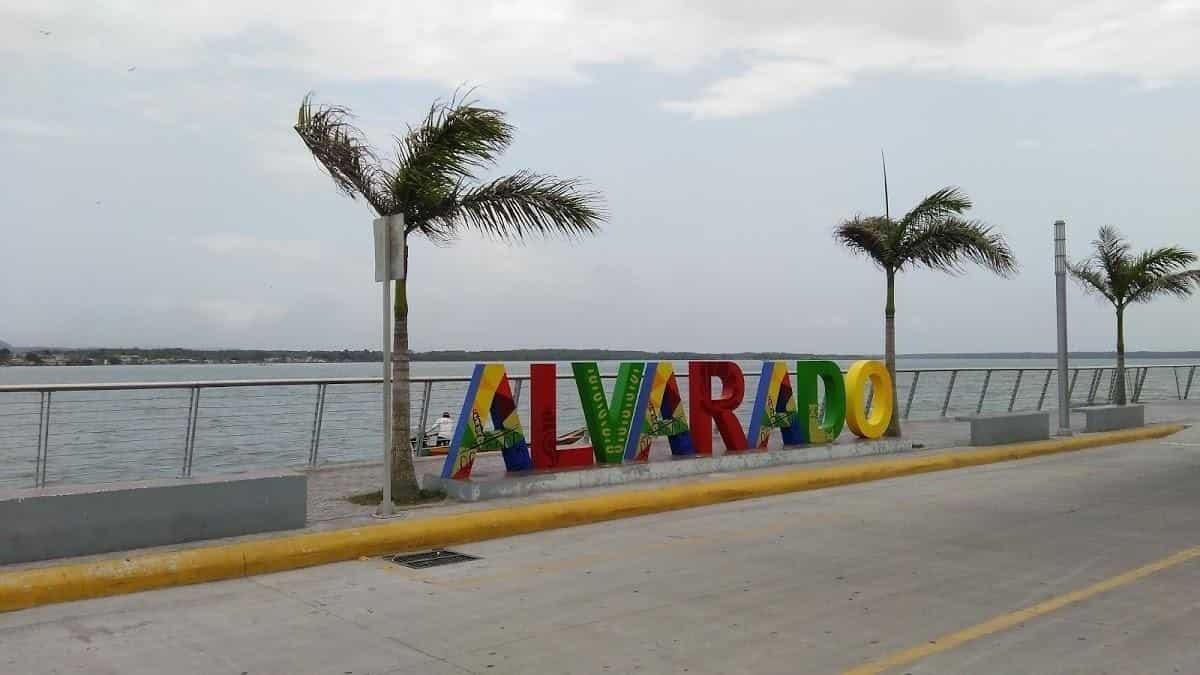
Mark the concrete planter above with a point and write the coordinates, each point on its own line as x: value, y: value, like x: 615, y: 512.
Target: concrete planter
x: 56, y: 522
x: 1009, y: 428
x: 1113, y: 417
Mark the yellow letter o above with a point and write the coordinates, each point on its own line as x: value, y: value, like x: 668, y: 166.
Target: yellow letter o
x: 857, y: 420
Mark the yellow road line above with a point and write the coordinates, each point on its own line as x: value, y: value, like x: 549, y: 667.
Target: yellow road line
x: 62, y: 583
x: 1006, y: 621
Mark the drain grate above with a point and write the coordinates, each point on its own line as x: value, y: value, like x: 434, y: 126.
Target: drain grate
x: 420, y: 561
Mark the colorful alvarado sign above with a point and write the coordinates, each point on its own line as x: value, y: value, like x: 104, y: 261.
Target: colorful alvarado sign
x: 647, y: 404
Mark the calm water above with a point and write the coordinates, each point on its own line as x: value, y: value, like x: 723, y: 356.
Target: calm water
x: 124, y: 435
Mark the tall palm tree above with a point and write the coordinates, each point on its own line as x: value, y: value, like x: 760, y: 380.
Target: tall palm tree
x: 1122, y: 278
x: 934, y: 235
x: 432, y: 180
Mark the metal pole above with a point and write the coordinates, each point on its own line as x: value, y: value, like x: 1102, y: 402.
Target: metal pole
x: 425, y: 394
x: 949, y: 389
x: 1045, y: 386
x: 187, y: 430
x: 1060, y: 294
x: 1095, y: 387
x: 318, y: 415
x: 46, y: 439
x: 191, y: 445
x: 1016, y: 387
x: 987, y: 377
x: 43, y: 437
x: 912, y: 392
x: 385, y: 503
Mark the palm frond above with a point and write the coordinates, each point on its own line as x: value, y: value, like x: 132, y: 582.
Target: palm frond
x: 1124, y: 278
x: 517, y: 206
x: 947, y: 243
x: 949, y: 201
x: 1178, y: 284
x: 1160, y: 261
x: 340, y: 147
x: 869, y: 236
x: 1112, y: 255
x: 1092, y: 279
x: 456, y: 139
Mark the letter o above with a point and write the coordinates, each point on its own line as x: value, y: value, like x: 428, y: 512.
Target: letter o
x: 882, y: 405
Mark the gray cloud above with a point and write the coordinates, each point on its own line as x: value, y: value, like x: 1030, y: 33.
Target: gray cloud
x: 790, y: 49
x: 173, y: 205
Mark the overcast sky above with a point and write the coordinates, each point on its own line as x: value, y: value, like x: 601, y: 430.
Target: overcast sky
x: 153, y: 192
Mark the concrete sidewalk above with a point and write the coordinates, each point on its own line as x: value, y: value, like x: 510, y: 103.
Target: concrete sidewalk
x: 329, y: 510
x: 816, y: 582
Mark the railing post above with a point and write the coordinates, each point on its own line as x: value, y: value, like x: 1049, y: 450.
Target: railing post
x: 1096, y: 374
x: 43, y: 445
x: 1178, y: 389
x: 189, y: 441
x: 517, y: 391
x: 1045, y: 386
x: 1187, y: 390
x: 912, y: 392
x: 1071, y: 389
x: 318, y: 420
x: 983, y: 394
x: 425, y: 394
x: 1012, y: 400
x: 949, y: 390
x: 1137, y: 390
x: 1112, y: 385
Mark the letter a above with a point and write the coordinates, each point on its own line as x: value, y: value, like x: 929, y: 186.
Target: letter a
x: 489, y: 399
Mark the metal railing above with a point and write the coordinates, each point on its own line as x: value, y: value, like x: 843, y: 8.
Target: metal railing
x: 127, y: 430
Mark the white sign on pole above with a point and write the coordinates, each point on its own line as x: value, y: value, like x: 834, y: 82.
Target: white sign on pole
x: 389, y: 265
x: 389, y: 248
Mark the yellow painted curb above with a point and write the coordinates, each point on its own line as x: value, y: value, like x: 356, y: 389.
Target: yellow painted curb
x: 41, y: 586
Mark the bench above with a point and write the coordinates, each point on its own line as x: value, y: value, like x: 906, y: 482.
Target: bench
x: 1111, y: 417
x: 1015, y: 427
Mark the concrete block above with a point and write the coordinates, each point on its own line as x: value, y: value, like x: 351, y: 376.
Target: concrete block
x: 56, y: 522
x: 519, y: 485
x: 1015, y: 427
x: 1112, y: 417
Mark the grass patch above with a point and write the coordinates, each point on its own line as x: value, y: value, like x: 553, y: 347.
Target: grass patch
x: 373, y: 498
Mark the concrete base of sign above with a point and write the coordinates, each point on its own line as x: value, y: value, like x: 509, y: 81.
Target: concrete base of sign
x: 519, y: 485
x: 1113, y: 417
x: 1014, y: 427
x: 56, y: 522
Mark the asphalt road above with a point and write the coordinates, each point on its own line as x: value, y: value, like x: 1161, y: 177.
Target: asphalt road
x: 1084, y: 562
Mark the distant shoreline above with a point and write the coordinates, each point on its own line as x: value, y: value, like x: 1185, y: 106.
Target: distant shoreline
x: 130, y: 356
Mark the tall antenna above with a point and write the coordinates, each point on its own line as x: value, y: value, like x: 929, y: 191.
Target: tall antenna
x: 886, y: 206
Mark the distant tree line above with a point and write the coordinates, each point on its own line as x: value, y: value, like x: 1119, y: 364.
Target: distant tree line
x: 117, y: 356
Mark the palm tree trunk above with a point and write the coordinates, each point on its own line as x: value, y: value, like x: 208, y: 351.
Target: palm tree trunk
x: 404, y: 475
x: 889, y: 348
x: 1119, y: 397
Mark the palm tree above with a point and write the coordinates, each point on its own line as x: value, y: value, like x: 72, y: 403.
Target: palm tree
x: 432, y: 181
x: 933, y: 235
x: 1122, y: 278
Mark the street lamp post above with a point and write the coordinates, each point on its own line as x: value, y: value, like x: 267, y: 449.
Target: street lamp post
x: 1060, y: 282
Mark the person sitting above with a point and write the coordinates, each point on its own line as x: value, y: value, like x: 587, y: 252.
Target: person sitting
x: 444, y: 428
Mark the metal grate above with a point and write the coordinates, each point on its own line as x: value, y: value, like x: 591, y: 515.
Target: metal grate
x: 420, y: 561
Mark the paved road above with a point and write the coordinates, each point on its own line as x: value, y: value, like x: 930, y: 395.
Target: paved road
x: 1083, y: 562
